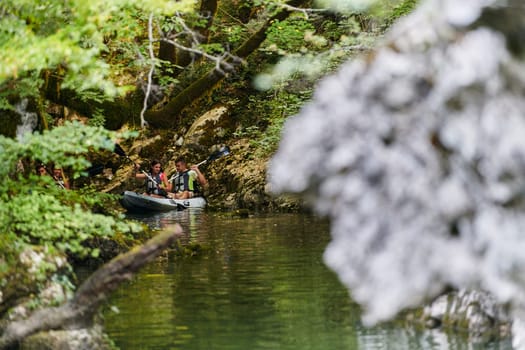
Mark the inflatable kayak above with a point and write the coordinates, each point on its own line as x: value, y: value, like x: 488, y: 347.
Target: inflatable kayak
x: 137, y: 202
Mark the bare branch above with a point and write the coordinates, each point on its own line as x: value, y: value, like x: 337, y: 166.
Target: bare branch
x: 195, y: 36
x: 221, y: 62
x: 143, y: 122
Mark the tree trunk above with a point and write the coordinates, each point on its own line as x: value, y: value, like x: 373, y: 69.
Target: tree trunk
x: 208, y: 10
x: 165, y: 118
x: 167, y: 53
x: 183, y: 58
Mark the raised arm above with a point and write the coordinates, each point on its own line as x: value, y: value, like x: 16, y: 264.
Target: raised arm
x: 200, y: 176
x: 138, y: 174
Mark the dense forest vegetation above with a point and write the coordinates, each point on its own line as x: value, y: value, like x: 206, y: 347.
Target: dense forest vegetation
x: 83, y: 75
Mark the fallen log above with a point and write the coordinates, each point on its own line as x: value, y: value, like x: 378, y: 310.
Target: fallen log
x: 80, y: 311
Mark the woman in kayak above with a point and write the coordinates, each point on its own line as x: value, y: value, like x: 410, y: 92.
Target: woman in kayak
x: 157, y: 184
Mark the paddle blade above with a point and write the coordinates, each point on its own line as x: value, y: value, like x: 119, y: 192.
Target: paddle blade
x: 95, y: 169
x: 224, y: 151
x: 118, y: 150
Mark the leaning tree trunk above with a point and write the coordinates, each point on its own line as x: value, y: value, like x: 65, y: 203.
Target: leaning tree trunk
x: 79, y: 312
x: 164, y: 118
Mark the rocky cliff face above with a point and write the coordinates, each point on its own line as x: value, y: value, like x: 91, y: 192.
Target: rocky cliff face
x: 236, y: 181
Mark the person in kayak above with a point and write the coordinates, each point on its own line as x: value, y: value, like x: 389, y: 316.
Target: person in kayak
x: 41, y: 170
x: 185, y: 183
x: 157, y: 184
x: 60, y: 178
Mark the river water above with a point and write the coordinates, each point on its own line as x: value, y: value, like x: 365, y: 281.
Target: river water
x: 258, y: 283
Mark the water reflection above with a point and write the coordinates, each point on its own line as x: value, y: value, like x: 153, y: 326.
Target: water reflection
x: 188, y: 218
x: 408, y: 338
x: 261, y: 285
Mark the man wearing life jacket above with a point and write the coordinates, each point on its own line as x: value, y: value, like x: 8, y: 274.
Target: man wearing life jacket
x: 156, y: 182
x: 186, y: 181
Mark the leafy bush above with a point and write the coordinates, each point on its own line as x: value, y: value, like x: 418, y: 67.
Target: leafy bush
x: 36, y: 212
x: 288, y: 35
x: 265, y: 132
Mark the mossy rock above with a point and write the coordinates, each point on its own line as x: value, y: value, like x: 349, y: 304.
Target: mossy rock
x: 80, y: 339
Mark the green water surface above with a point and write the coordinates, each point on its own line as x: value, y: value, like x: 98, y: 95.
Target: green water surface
x: 260, y: 284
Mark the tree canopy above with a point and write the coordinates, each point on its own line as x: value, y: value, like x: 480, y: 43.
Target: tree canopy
x: 79, y: 53
x: 69, y: 38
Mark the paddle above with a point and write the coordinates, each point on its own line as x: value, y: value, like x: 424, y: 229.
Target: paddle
x: 95, y: 169
x: 118, y: 150
x: 223, y: 151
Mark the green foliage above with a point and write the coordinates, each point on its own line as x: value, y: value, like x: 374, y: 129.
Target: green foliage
x: 379, y: 9
x: 56, y: 146
x: 310, y: 53
x: 235, y: 34
x: 37, y: 213
x: 310, y: 48
x: 98, y: 119
x: 180, y: 22
x: 402, y: 9
x: 265, y: 131
x: 167, y: 82
x: 41, y: 218
x: 213, y: 49
x: 292, y: 67
x: 334, y: 30
x: 69, y: 38
x: 288, y: 35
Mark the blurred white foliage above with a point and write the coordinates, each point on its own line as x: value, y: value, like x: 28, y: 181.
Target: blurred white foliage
x: 343, y: 6
x: 309, y: 65
x: 417, y: 154
x: 28, y: 120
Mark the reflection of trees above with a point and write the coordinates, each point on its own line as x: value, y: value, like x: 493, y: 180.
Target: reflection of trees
x: 147, y: 308
x: 262, y: 284
x: 267, y: 278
